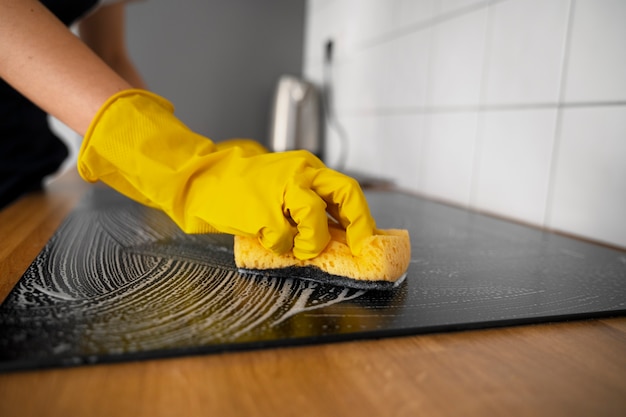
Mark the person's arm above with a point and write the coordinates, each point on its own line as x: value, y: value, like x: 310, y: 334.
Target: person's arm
x: 104, y: 32
x: 135, y: 143
x: 49, y: 65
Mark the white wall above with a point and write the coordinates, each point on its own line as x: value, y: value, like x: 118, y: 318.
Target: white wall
x: 513, y: 107
x: 217, y: 61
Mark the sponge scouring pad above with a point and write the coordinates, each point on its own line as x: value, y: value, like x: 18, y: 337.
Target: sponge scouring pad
x: 381, y: 265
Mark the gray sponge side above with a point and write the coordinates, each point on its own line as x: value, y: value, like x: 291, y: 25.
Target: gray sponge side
x: 312, y: 273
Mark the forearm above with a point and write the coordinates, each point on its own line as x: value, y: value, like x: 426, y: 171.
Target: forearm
x: 126, y: 69
x: 44, y: 61
x: 104, y: 32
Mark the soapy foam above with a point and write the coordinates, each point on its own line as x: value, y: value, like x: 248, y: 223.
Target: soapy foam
x: 116, y: 281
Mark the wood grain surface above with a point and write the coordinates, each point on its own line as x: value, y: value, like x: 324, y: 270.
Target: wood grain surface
x: 565, y: 369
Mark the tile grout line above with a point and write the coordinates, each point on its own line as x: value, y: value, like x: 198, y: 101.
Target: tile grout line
x: 558, y: 124
x: 480, y: 117
x: 381, y: 111
x: 426, y: 128
x: 432, y: 22
x: 360, y: 46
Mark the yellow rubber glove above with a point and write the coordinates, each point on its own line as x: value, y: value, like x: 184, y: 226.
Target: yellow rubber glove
x: 137, y: 146
x: 249, y: 147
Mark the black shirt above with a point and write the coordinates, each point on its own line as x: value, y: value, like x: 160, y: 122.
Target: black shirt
x: 29, y: 151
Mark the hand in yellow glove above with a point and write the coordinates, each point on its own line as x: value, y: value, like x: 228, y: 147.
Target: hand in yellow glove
x: 249, y: 147
x: 137, y: 146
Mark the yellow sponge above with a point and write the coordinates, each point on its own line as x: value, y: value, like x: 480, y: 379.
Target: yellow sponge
x: 382, y: 264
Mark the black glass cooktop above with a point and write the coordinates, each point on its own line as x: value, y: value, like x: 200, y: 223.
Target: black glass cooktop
x: 119, y: 281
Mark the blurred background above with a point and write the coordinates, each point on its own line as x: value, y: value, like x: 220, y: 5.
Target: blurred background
x: 510, y: 107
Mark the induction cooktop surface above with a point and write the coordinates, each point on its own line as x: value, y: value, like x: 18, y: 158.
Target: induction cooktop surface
x: 119, y: 281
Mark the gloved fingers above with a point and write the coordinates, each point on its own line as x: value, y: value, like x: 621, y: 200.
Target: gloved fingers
x: 347, y: 204
x: 308, y: 211
x: 278, y: 238
x: 249, y: 147
x: 307, y: 158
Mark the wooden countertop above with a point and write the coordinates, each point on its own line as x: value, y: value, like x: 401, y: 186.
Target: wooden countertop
x: 565, y: 369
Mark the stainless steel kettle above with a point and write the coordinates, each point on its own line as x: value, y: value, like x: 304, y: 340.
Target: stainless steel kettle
x: 296, y: 120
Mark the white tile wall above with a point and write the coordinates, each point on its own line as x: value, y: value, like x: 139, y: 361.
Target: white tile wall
x: 363, y: 80
x: 392, y: 145
x: 325, y: 20
x: 590, y: 183
x: 452, y: 6
x: 402, y: 143
x: 408, y: 77
x: 415, y: 12
x: 597, y: 58
x: 512, y: 175
x: 514, y: 107
x: 526, y: 49
x: 458, y: 43
x: 369, y: 19
x: 449, y: 156
x: 364, y: 142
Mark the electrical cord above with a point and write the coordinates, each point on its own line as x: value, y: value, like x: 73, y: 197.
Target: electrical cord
x: 329, y: 110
